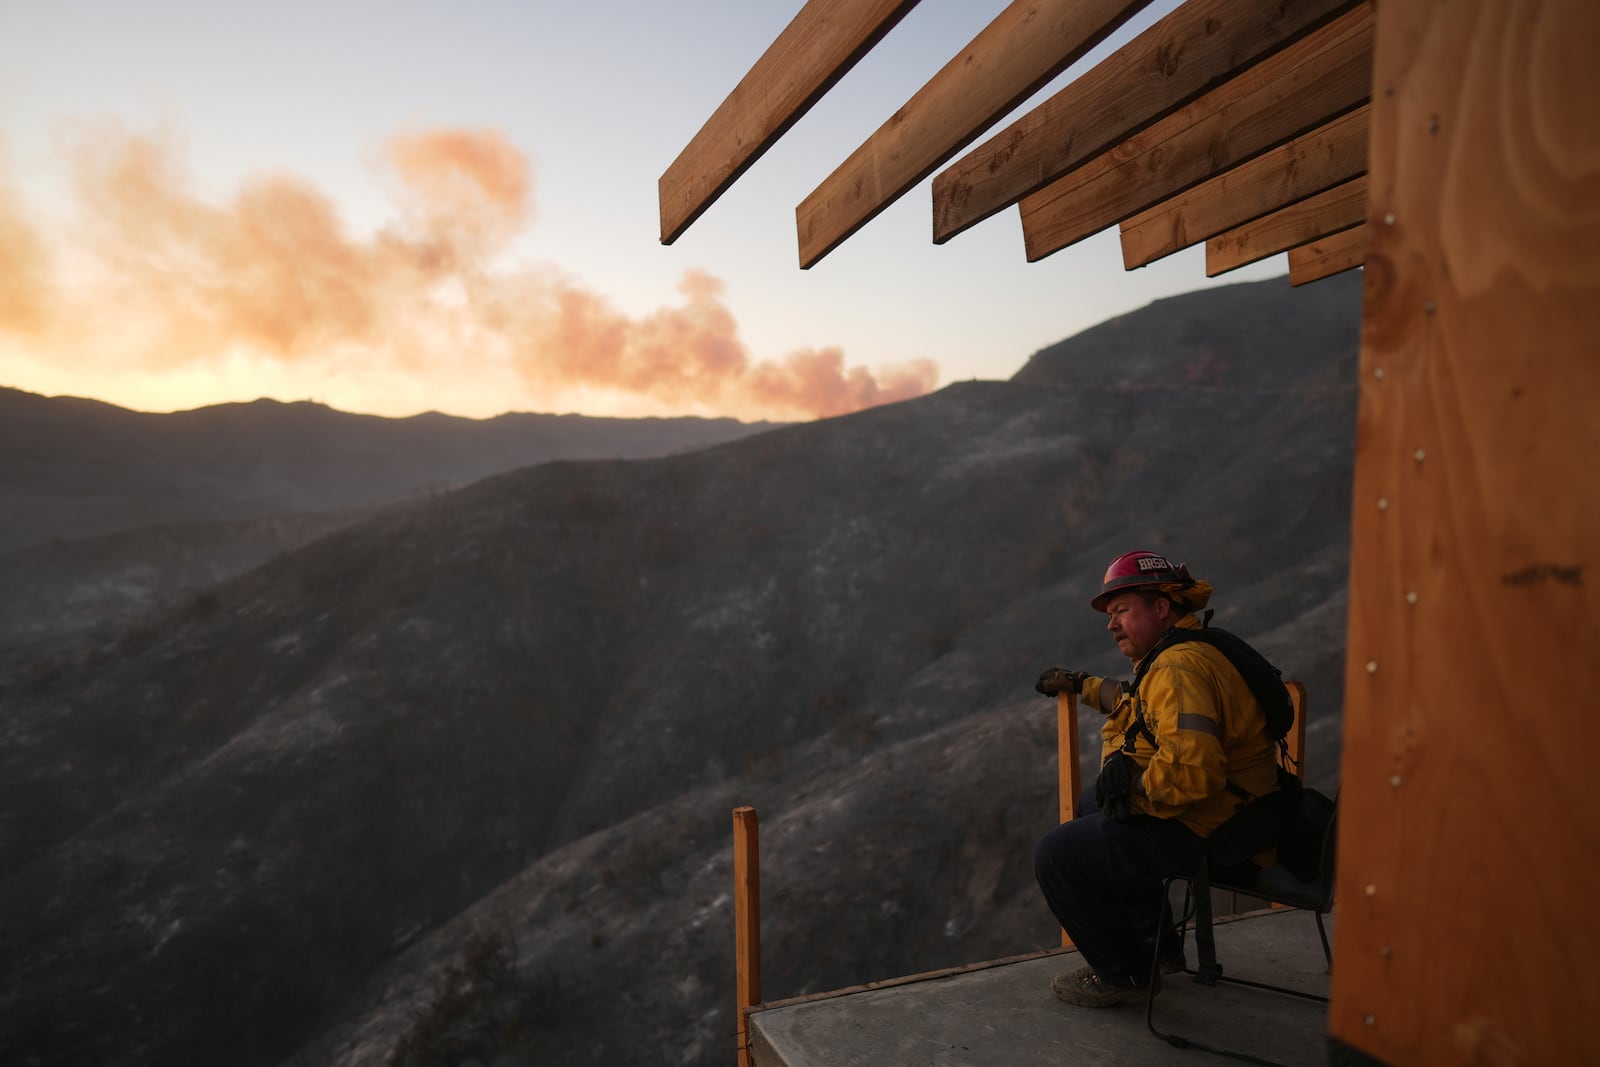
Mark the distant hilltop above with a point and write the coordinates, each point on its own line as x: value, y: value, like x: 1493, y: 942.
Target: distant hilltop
x: 72, y: 468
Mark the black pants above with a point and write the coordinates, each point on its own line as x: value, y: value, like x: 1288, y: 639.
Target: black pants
x: 1102, y: 880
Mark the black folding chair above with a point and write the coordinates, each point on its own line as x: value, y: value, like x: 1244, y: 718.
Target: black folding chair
x: 1274, y: 884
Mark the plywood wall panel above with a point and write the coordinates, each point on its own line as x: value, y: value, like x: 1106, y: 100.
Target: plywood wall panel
x: 1470, y: 823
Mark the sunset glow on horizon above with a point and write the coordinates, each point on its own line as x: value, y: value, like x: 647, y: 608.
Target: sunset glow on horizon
x: 402, y: 207
x: 163, y: 299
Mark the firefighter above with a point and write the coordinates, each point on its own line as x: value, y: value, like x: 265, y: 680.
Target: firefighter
x: 1180, y: 754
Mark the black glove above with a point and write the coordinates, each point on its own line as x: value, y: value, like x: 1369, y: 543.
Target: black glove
x: 1058, y: 680
x: 1113, y: 790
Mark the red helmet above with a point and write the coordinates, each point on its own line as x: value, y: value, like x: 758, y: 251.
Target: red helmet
x: 1140, y: 570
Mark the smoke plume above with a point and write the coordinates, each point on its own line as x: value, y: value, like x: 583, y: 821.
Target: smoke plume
x: 23, y: 290
x: 155, y: 276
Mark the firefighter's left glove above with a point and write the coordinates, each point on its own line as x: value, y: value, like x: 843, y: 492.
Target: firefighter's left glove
x: 1113, y: 790
x: 1057, y: 680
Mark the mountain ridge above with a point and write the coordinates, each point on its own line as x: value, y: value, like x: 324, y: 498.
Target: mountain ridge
x: 106, y: 513
x: 74, y: 467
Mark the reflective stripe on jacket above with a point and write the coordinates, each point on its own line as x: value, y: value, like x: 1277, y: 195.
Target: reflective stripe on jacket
x: 1209, y: 731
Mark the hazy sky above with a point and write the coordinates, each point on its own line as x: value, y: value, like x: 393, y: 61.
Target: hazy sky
x: 395, y: 207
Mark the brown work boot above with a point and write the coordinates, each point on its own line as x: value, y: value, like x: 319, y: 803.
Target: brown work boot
x: 1085, y: 987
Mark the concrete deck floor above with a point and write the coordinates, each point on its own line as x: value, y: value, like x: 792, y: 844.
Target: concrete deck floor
x: 1005, y: 1015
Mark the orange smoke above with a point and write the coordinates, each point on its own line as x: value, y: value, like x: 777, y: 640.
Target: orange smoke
x: 23, y: 289
x: 693, y: 353
x: 166, y: 280
x: 273, y: 271
x: 463, y: 185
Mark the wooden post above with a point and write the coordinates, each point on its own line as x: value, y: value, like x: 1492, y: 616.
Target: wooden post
x: 1467, y: 831
x: 1067, y: 759
x: 746, y: 923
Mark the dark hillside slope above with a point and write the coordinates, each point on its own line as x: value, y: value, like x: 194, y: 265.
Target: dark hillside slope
x: 53, y: 589
x: 107, y: 513
x: 217, y: 831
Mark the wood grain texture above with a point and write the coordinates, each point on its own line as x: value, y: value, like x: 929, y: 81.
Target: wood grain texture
x: 817, y: 48
x: 1328, y: 256
x: 1324, y: 74
x: 1469, y: 831
x: 1191, y: 50
x: 1321, y: 159
x: 746, y: 923
x: 1026, y: 45
x: 1068, y: 784
x: 1339, y: 208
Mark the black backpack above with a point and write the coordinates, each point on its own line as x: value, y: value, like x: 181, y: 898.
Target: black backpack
x: 1265, y: 680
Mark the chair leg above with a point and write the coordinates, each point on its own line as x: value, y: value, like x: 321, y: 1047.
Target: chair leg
x: 1323, y: 933
x: 1176, y: 1040
x: 1185, y: 913
x: 1155, y: 959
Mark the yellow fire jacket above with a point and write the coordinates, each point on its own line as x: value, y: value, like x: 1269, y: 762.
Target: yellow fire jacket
x: 1209, y: 731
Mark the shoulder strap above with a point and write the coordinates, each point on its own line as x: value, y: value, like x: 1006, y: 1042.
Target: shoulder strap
x: 1263, y: 679
x: 1174, y: 635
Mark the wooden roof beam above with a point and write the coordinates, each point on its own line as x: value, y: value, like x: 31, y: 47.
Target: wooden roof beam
x: 1026, y: 45
x: 1328, y: 256
x: 1322, y: 75
x: 1190, y: 51
x: 1319, y: 160
x: 818, y: 47
x: 1327, y: 213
